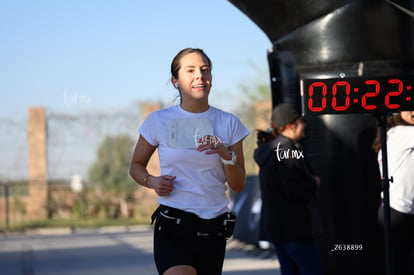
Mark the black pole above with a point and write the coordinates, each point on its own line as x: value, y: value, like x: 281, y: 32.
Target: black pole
x: 385, y: 184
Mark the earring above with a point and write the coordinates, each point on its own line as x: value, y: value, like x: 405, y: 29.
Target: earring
x: 176, y: 85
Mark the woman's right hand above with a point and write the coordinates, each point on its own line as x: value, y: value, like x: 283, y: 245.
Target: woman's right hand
x: 162, y: 185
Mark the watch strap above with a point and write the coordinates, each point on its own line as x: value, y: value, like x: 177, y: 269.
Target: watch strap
x: 232, y: 161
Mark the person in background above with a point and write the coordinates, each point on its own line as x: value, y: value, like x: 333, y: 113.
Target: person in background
x: 400, y: 149
x: 287, y: 186
x: 200, y: 148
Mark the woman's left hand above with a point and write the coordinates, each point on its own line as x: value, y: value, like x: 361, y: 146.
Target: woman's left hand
x: 215, y: 148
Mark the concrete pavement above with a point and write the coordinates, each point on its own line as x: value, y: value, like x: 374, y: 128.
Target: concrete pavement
x: 108, y: 250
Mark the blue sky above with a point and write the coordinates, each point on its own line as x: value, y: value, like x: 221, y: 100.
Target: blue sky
x: 80, y: 56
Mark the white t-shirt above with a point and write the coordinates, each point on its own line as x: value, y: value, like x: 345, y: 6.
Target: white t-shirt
x: 400, y: 158
x: 199, y: 185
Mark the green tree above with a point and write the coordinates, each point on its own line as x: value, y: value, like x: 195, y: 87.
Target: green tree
x: 247, y: 115
x: 109, y: 172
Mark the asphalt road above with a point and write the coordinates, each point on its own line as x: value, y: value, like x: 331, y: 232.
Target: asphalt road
x: 119, y: 251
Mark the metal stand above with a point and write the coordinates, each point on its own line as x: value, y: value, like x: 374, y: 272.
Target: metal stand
x: 385, y: 184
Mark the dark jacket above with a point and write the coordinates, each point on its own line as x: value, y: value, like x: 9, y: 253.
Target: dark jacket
x: 287, y: 187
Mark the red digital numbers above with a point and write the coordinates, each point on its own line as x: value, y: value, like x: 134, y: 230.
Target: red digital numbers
x: 355, y: 94
x: 334, y: 95
x: 394, y: 93
x: 311, y: 92
x: 322, y: 86
x: 370, y: 94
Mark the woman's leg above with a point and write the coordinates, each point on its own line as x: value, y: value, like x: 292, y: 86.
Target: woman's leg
x: 306, y: 256
x: 210, y: 256
x: 181, y: 270
x: 287, y: 265
x: 188, y: 256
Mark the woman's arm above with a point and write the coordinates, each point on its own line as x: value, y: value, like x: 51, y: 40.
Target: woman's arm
x: 138, y: 169
x: 236, y: 174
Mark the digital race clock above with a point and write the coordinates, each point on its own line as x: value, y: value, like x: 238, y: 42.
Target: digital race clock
x: 368, y: 94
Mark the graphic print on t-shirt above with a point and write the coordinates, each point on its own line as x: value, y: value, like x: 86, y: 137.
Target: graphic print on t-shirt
x: 186, y: 133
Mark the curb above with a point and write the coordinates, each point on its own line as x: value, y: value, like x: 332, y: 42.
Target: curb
x: 73, y: 230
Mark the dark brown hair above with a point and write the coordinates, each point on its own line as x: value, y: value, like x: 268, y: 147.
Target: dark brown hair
x: 273, y: 132
x: 264, y: 136
x: 392, y: 121
x: 175, y: 64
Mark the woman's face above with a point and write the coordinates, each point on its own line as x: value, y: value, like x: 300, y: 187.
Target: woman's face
x: 194, y: 77
x: 408, y: 116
